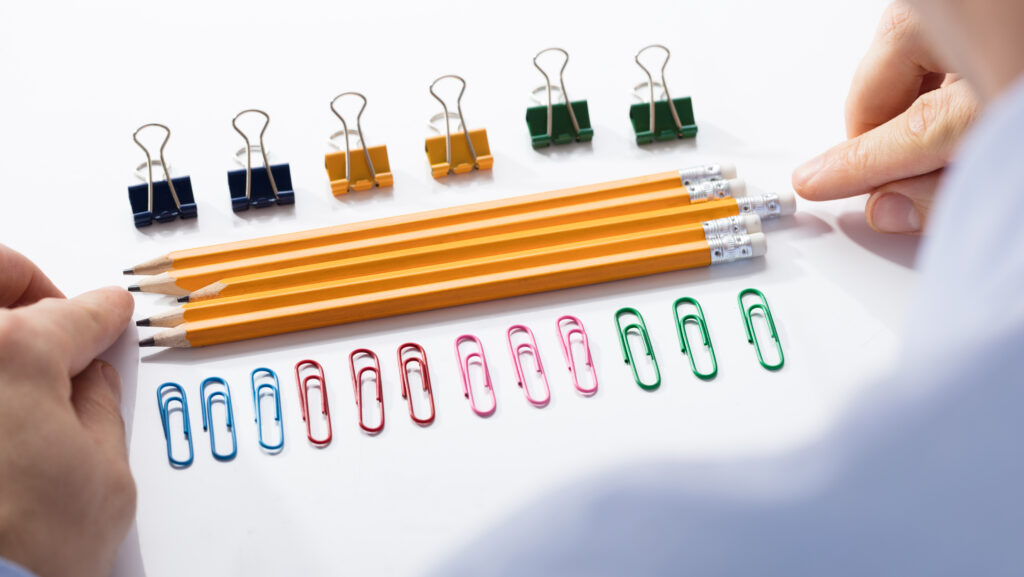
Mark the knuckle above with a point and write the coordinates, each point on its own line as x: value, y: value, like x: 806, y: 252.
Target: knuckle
x: 858, y: 155
x: 937, y: 119
x: 897, y: 22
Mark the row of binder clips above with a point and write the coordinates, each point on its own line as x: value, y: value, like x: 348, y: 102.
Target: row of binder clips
x: 412, y: 362
x: 355, y: 166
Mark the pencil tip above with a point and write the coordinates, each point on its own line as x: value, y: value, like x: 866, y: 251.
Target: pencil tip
x: 128, y: 271
x: 148, y: 342
x: 134, y: 288
x: 142, y: 323
x: 183, y: 299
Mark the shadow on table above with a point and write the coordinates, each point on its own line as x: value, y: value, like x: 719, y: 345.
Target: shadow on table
x: 899, y: 249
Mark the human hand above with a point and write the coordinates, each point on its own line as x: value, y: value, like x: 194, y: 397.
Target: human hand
x: 67, y: 497
x: 904, y: 117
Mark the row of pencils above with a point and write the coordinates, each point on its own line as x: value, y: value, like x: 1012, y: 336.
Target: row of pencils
x: 694, y: 217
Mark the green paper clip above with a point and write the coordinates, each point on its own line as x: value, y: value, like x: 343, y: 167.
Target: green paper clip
x: 684, y: 343
x: 561, y: 122
x: 746, y: 312
x: 661, y: 120
x: 641, y: 328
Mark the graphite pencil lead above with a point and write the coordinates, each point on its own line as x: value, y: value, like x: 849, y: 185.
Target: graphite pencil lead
x: 142, y: 322
x: 183, y: 299
x: 128, y: 271
x: 147, y: 342
x: 134, y: 288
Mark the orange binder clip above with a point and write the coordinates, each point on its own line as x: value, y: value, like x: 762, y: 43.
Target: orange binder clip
x: 459, y: 152
x: 347, y: 169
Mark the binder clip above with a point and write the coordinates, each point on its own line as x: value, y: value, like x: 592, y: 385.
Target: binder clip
x: 462, y: 151
x: 557, y: 122
x: 258, y: 187
x: 666, y: 119
x: 163, y: 200
x: 350, y: 170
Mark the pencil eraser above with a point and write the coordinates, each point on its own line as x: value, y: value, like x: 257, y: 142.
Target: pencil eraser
x: 758, y: 244
x: 728, y: 170
x: 787, y: 202
x: 737, y: 187
x: 752, y: 223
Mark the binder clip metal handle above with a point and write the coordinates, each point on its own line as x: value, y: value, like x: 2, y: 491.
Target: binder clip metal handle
x: 561, y: 83
x: 447, y: 116
x: 358, y: 132
x: 159, y: 200
x: 664, y: 85
x: 248, y: 150
x: 149, y: 164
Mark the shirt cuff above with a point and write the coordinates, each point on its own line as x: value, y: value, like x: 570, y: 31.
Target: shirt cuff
x: 9, y: 569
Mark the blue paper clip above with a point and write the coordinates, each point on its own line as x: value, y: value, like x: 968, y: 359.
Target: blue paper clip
x: 275, y: 392
x: 177, y: 395
x: 207, y: 404
x: 262, y: 186
x: 748, y: 324
x: 162, y: 200
x: 640, y: 328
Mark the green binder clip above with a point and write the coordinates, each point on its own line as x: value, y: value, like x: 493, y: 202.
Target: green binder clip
x: 761, y: 306
x: 696, y: 318
x: 557, y: 122
x: 640, y: 328
x: 666, y: 119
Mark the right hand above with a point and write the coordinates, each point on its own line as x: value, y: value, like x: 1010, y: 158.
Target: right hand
x: 905, y: 115
x: 67, y: 497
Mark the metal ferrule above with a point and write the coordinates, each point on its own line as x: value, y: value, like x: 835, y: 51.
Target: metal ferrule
x: 724, y: 226
x: 730, y: 248
x: 696, y: 174
x: 765, y: 206
x: 709, y: 189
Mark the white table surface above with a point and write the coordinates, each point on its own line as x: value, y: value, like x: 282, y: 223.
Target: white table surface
x: 768, y: 82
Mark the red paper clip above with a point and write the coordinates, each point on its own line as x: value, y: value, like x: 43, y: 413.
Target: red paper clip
x: 529, y: 347
x: 464, y: 371
x: 303, y: 383
x: 566, y: 340
x: 357, y: 386
x: 419, y: 357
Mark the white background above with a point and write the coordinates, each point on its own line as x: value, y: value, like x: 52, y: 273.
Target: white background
x: 768, y: 81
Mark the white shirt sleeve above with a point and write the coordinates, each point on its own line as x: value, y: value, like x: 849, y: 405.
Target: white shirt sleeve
x: 8, y: 569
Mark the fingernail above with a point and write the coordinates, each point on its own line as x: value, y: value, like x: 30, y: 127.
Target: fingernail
x: 895, y: 213
x: 806, y: 172
x: 112, y: 378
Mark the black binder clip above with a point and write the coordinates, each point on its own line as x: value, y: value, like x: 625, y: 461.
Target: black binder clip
x: 258, y: 187
x: 163, y: 200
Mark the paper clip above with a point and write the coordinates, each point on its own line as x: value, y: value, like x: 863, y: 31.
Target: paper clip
x: 450, y: 154
x: 557, y: 122
x: 357, y: 386
x: 684, y: 342
x: 274, y: 389
x: 164, y: 402
x: 565, y: 337
x: 747, y: 313
x: 303, y: 383
x: 464, y: 371
x: 419, y: 358
x: 262, y: 186
x: 651, y: 119
x: 161, y: 200
x: 641, y: 329
x: 207, y: 406
x: 347, y: 169
x: 530, y: 348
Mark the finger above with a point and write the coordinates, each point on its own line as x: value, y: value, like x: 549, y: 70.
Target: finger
x: 77, y: 330
x: 896, y: 70
x: 96, y: 397
x: 22, y: 282
x: 903, y: 206
x: 919, y: 141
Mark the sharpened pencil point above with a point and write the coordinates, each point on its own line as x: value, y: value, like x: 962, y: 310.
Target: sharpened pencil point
x: 183, y: 299
x: 128, y: 271
x: 134, y: 288
x: 142, y: 323
x: 148, y: 342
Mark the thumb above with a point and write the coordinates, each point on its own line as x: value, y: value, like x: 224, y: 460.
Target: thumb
x: 96, y: 396
x: 902, y: 206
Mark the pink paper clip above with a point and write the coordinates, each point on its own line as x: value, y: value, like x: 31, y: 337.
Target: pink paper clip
x: 530, y: 347
x: 464, y: 371
x: 419, y: 358
x: 303, y: 383
x: 566, y: 339
x: 357, y: 386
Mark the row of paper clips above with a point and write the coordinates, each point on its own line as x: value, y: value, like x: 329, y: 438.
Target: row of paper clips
x: 365, y: 369
x: 355, y: 166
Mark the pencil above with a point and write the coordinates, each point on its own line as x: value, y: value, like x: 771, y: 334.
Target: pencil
x: 447, y: 252
x: 182, y: 282
x: 458, y: 292
x: 440, y: 217
x: 627, y: 241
